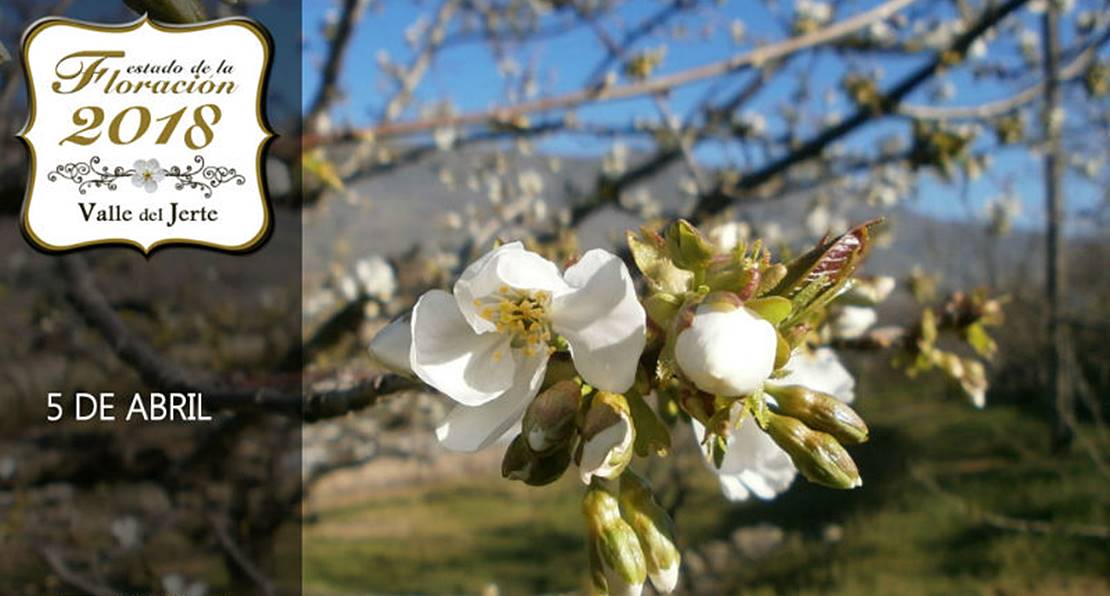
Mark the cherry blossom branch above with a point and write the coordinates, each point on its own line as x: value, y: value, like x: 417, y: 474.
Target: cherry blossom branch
x: 598, y: 94
x: 722, y: 197
x: 1000, y: 107
x: 414, y: 73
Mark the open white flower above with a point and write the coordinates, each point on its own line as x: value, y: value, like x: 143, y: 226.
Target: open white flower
x: 147, y: 175
x: 754, y: 464
x: 487, y: 346
x: 727, y: 350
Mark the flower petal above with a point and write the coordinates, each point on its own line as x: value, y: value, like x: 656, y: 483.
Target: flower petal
x: 602, y: 320
x: 469, y: 428
x: 159, y: 174
x: 392, y: 345
x: 753, y: 463
x: 139, y: 165
x: 821, y: 370
x: 137, y: 181
x: 150, y: 186
x: 153, y: 165
x: 447, y: 354
x: 507, y: 265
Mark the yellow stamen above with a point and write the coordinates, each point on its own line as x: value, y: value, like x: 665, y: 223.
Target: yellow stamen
x: 521, y: 314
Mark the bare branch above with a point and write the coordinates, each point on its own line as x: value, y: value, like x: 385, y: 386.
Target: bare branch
x: 722, y: 197
x: 241, y: 560
x: 1004, y: 522
x: 70, y: 577
x: 752, y: 59
x: 328, y: 91
x: 1000, y: 107
x: 336, y: 400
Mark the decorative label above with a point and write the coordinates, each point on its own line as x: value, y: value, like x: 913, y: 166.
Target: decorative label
x: 146, y: 134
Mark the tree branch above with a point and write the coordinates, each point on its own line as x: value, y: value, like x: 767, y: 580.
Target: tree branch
x: 722, y: 197
x: 598, y: 94
x: 336, y: 400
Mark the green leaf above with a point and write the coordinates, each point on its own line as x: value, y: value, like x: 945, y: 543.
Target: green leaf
x: 652, y: 435
x: 773, y: 308
x: 649, y: 250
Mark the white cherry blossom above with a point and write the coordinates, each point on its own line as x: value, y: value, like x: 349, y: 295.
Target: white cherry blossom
x: 486, y: 346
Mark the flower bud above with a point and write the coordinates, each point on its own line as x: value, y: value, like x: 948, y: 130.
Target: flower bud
x: 820, y: 411
x: 608, y: 436
x: 817, y: 455
x: 688, y: 248
x: 618, y: 553
x: 391, y: 346
x: 655, y: 530
x: 549, y: 420
x: 727, y: 350
x: 521, y: 463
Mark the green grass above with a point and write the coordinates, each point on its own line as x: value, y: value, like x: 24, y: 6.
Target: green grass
x: 899, y: 535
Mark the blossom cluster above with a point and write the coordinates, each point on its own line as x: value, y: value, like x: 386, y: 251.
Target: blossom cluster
x: 563, y: 365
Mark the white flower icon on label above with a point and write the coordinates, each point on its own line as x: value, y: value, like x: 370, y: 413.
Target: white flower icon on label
x: 147, y: 175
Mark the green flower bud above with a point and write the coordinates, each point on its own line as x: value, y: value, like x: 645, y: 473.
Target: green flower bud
x: 820, y: 411
x: 608, y: 437
x: 521, y: 463
x: 549, y: 420
x: 688, y: 248
x: 655, y: 530
x: 618, y: 549
x: 817, y: 455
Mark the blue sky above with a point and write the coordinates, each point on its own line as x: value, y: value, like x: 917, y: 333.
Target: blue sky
x: 467, y: 74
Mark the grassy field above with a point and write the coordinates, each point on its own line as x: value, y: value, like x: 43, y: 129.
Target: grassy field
x: 954, y: 502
